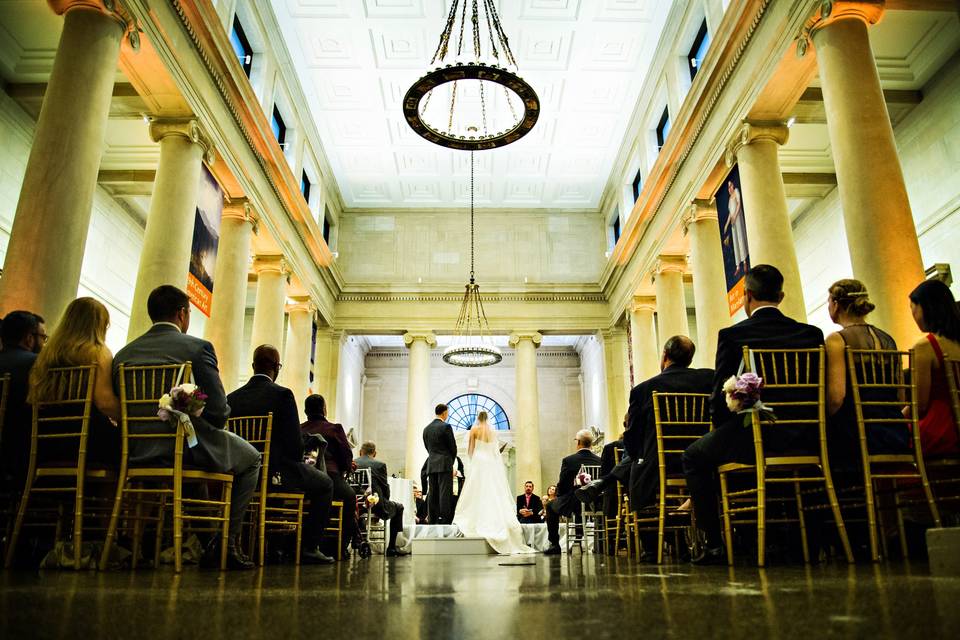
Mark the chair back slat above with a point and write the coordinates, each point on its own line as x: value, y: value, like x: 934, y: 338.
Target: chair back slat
x: 794, y: 388
x: 257, y: 430
x: 141, y: 387
x: 952, y: 371
x: 61, y: 422
x: 880, y: 382
x: 679, y: 420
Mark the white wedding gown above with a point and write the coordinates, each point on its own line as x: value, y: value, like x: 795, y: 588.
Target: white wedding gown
x: 485, y: 508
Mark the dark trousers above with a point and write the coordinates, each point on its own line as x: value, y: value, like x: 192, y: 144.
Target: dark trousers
x: 394, y: 522
x: 344, y: 492
x: 566, y: 505
x: 440, y: 497
x: 318, y: 487
x: 731, y: 442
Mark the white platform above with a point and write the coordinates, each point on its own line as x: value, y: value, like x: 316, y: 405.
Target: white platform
x: 451, y: 547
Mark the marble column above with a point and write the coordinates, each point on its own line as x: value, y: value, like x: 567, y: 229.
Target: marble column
x: 643, y: 336
x: 769, y: 232
x: 419, y: 411
x: 168, y: 237
x: 527, y: 423
x: 882, y: 237
x: 296, y: 353
x: 268, y: 314
x: 709, y: 283
x: 41, y: 271
x: 326, y: 367
x: 229, y: 304
x: 617, y: 370
x: 671, y: 301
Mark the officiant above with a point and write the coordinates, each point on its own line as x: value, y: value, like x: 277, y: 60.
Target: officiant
x: 529, y: 505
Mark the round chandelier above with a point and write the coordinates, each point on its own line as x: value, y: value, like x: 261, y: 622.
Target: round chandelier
x: 472, y: 99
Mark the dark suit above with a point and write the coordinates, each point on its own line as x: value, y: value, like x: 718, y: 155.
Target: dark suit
x: 338, y: 459
x: 16, y: 425
x: 261, y: 396
x: 767, y: 328
x: 536, y: 505
x: 441, y: 460
x: 217, y: 450
x: 380, y: 485
x: 640, y: 438
x: 567, y: 503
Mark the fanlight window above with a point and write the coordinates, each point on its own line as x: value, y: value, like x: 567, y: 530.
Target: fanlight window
x: 464, y: 410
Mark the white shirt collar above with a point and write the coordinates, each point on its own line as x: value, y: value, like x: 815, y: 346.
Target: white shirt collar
x: 766, y: 306
x: 262, y: 375
x: 168, y: 324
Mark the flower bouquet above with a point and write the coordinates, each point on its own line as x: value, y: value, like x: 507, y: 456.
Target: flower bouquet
x: 743, y: 397
x: 583, y: 479
x: 182, y: 402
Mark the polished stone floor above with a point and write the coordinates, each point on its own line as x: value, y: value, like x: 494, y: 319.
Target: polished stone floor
x: 476, y: 597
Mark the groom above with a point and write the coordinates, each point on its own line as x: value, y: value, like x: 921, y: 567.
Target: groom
x: 441, y: 466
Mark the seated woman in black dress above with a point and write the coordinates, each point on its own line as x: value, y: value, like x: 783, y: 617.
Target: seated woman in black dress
x: 79, y: 340
x: 848, y: 305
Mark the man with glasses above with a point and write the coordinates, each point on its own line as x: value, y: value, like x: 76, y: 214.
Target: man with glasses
x: 23, y: 335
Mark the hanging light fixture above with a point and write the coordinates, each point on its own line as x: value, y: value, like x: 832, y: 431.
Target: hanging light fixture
x: 472, y: 345
x: 473, y: 98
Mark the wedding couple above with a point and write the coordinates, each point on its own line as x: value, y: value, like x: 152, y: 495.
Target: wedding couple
x: 485, y: 508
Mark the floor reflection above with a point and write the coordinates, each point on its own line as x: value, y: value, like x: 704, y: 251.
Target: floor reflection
x: 476, y: 597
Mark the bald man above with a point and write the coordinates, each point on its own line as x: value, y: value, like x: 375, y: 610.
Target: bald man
x: 262, y: 395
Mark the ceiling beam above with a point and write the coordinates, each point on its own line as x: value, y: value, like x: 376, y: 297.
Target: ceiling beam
x: 923, y: 5
x: 809, y: 109
x: 126, y: 102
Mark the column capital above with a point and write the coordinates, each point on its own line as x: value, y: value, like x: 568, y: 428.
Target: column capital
x: 643, y: 303
x: 749, y: 132
x: 239, y: 209
x: 112, y: 9
x: 270, y: 264
x: 299, y: 303
x: 700, y: 210
x: 670, y: 263
x: 188, y: 128
x: 829, y: 12
x: 426, y: 336
x: 517, y: 337
x: 613, y: 332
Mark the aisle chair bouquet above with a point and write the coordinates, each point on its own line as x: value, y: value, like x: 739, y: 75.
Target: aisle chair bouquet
x: 179, y: 404
x: 743, y: 394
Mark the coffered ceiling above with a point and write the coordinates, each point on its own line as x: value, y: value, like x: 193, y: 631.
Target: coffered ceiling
x: 587, y: 60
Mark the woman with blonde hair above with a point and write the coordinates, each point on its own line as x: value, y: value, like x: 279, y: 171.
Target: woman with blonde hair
x: 80, y: 339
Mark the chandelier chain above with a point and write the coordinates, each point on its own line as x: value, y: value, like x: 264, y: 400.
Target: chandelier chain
x: 493, y: 44
x: 475, y: 18
x: 442, y: 48
x: 463, y: 21
x: 471, y: 220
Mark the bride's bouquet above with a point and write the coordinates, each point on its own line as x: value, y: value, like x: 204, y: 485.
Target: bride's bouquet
x: 743, y: 397
x: 179, y: 404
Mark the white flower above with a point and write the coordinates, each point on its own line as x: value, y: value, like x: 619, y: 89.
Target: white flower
x: 166, y: 402
x: 188, y: 388
x: 732, y: 403
x: 730, y: 385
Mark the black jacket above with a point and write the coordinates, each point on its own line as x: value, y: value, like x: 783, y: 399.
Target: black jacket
x: 17, y: 421
x: 441, y: 447
x: 380, y: 485
x: 569, y: 467
x: 261, y: 396
x: 536, y: 505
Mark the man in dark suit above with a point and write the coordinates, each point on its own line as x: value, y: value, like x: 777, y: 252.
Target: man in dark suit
x: 218, y: 450
x: 441, y: 466
x: 421, y: 505
x: 765, y: 328
x: 566, y: 503
x: 338, y: 461
x: 384, y: 509
x: 23, y: 336
x: 529, y: 505
x: 262, y: 395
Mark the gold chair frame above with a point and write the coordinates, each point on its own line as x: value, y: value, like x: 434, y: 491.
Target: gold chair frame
x: 625, y: 518
x: 676, y: 412
x: 74, y: 390
x: 142, y: 386
x: 257, y: 430
x: 781, y: 369
x: 335, y: 524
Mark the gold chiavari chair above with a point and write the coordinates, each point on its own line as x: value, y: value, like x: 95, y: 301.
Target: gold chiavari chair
x: 334, y: 528
x: 141, y: 388
x: 799, y: 372
x: 881, y: 386
x: 63, y: 421
x: 624, y: 521
x: 944, y: 471
x: 275, y: 510
x: 679, y: 419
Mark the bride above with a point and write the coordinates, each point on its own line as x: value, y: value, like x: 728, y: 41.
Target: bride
x: 485, y: 508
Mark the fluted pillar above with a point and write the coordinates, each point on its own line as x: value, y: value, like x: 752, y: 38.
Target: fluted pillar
x: 268, y: 314
x: 671, y: 302
x: 617, y: 369
x: 41, y: 271
x: 881, y: 235
x: 709, y: 283
x: 419, y: 411
x: 326, y: 367
x: 168, y: 236
x: 229, y: 304
x: 643, y: 336
x: 767, y: 218
x: 296, y: 352
x: 527, y: 423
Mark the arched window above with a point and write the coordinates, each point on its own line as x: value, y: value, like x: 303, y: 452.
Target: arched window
x: 464, y: 410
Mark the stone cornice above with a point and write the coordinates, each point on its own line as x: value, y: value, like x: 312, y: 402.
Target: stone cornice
x: 457, y: 297
x: 751, y: 132
x: 187, y: 128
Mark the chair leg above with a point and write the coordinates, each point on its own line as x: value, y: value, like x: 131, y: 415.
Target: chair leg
x: 761, y: 523
x: 931, y: 502
x: 660, y: 525
x: 262, y: 531
x: 901, y: 530
x: 78, y: 525
x: 137, y: 531
x: 871, y: 513
x: 803, y: 523
x: 161, y: 512
x: 177, y: 526
x: 18, y: 525
x: 112, y: 527
x: 300, y: 530
x: 727, y: 526
x: 837, y: 516
x: 225, y: 535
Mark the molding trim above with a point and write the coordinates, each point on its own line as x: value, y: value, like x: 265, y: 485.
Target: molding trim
x: 456, y: 297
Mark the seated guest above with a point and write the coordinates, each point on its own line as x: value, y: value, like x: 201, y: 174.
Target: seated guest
x: 23, y: 335
x: 935, y: 311
x: 765, y: 328
x: 528, y: 505
x: 338, y: 460
x: 80, y: 340
x: 610, y: 474
x: 566, y: 503
x: 262, y: 395
x: 848, y: 305
x: 421, y: 505
x: 384, y: 509
x: 218, y: 450
x: 548, y: 497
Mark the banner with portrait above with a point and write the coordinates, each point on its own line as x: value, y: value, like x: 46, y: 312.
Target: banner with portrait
x: 733, y: 237
x: 206, y: 239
